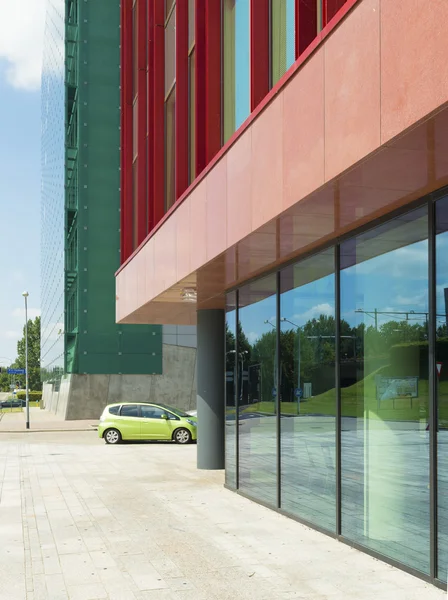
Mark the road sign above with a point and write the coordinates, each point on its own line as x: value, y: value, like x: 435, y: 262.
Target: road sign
x: 439, y: 368
x: 16, y: 371
x: 298, y: 392
x: 12, y: 387
x: 274, y: 392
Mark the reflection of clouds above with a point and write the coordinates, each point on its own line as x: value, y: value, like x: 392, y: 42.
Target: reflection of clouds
x: 252, y: 337
x: 410, y: 262
x: 419, y: 300
x: 314, y: 313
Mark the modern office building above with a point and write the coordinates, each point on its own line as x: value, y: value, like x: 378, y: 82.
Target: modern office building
x: 284, y: 166
x: 88, y: 360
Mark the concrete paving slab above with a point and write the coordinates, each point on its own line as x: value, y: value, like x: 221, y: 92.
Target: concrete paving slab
x: 84, y: 520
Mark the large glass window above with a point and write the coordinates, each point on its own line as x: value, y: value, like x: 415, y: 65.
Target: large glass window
x: 236, y: 14
x: 231, y: 389
x: 307, y: 387
x: 283, y: 28
x: 384, y: 381
x: 257, y: 368
x: 442, y: 381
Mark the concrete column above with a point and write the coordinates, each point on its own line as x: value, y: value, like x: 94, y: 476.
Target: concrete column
x: 210, y: 388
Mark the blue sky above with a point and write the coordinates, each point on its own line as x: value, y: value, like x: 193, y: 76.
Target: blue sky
x: 21, y: 32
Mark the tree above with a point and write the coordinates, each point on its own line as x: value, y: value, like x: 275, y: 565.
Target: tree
x: 33, y: 354
x: 5, y: 380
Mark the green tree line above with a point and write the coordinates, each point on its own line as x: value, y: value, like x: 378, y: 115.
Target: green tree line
x: 19, y: 363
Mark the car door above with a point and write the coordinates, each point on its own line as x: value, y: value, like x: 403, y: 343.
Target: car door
x: 154, y: 423
x: 129, y: 422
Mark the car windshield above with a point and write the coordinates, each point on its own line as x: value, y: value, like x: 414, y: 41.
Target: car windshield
x: 176, y: 411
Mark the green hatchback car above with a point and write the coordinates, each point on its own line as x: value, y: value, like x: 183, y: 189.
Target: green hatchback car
x: 144, y: 421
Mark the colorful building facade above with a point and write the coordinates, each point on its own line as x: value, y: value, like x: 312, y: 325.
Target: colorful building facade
x: 283, y: 186
x: 88, y: 359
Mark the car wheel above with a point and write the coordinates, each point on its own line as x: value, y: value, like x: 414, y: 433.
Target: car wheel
x: 112, y: 436
x: 182, y: 436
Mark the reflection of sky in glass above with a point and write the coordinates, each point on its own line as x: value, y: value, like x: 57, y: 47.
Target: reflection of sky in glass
x: 442, y: 277
x: 52, y: 221
x: 290, y: 32
x: 242, y: 61
x: 396, y: 286
x: 253, y: 319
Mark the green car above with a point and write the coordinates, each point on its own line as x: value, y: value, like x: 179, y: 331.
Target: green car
x: 144, y: 421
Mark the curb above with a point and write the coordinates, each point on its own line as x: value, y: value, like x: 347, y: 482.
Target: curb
x: 92, y: 428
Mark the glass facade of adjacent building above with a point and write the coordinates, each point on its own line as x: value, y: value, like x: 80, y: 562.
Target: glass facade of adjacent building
x: 52, y: 207
x: 337, y: 376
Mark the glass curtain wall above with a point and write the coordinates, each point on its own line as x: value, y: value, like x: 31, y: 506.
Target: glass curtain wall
x: 257, y: 374
x: 384, y: 395
x: 442, y: 381
x: 236, y: 64
x: 283, y: 30
x: 308, y: 394
x: 351, y: 398
x: 231, y: 391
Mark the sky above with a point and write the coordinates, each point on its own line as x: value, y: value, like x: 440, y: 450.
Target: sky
x: 21, y: 42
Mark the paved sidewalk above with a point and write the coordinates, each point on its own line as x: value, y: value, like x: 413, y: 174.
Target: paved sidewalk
x: 80, y: 520
x: 40, y: 420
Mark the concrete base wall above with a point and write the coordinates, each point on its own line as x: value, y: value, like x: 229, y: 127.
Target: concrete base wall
x: 85, y: 396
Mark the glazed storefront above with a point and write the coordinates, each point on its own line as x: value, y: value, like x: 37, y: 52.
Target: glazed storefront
x: 337, y: 375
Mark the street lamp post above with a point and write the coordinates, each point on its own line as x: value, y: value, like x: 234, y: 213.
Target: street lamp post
x: 25, y: 295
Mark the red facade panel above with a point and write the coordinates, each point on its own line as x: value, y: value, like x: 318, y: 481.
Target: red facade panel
x: 330, y: 8
x: 158, y: 194
x: 148, y: 86
x: 200, y: 56
x: 141, y: 119
x: 126, y: 129
x: 259, y: 51
x: 306, y: 24
x: 181, y: 131
x: 150, y: 121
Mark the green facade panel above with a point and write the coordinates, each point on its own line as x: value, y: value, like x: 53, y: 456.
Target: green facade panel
x: 98, y: 344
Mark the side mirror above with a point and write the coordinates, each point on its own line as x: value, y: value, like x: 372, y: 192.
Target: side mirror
x: 164, y: 416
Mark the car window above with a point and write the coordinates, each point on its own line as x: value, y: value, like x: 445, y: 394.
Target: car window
x: 129, y: 410
x: 114, y: 410
x: 176, y: 411
x: 151, y: 412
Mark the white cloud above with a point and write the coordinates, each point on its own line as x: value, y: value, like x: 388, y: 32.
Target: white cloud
x: 20, y: 313
x: 21, y: 41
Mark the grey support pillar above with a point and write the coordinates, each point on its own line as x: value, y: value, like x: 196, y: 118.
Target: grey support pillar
x: 210, y: 388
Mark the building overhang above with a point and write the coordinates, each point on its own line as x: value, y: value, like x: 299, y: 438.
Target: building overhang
x: 358, y: 130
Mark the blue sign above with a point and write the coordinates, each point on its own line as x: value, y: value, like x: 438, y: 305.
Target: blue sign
x: 298, y: 392
x: 274, y: 392
x: 16, y: 372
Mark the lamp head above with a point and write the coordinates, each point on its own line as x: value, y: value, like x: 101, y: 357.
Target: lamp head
x: 25, y: 294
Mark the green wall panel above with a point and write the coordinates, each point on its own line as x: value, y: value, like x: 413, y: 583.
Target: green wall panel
x: 103, y: 346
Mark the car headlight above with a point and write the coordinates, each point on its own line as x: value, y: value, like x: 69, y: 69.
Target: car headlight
x: 191, y: 422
